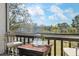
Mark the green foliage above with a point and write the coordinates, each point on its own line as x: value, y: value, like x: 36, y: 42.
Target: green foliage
x: 19, y: 17
x: 75, y: 23
x: 13, y: 25
x: 54, y: 29
x: 42, y: 37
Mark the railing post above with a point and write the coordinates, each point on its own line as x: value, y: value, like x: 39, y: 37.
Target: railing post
x: 76, y: 50
x: 69, y: 44
x: 54, y: 47
x: 20, y: 39
x: 24, y: 40
x: 16, y: 38
x: 78, y: 44
x: 61, y: 47
x: 28, y: 40
x: 32, y: 39
x: 48, y: 41
x: 49, y: 54
x: 7, y: 40
x: 6, y: 50
x: 13, y: 38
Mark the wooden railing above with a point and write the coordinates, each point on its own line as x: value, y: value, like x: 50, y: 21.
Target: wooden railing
x: 28, y: 38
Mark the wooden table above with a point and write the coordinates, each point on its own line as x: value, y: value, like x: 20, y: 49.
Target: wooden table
x: 31, y: 50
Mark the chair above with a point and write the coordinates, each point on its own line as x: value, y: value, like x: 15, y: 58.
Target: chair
x: 12, y: 44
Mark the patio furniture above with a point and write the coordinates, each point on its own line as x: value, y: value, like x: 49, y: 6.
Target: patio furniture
x: 31, y: 50
x: 71, y: 51
x: 12, y: 45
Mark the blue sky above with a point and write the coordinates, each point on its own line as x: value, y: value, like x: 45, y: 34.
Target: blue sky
x: 52, y: 13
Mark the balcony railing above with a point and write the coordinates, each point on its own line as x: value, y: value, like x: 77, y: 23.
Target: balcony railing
x: 28, y: 38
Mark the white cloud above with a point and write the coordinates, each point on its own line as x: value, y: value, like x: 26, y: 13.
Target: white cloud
x: 41, y: 20
x: 36, y: 10
x: 58, y: 12
x: 55, y: 9
x: 52, y: 17
x: 71, y: 12
x: 62, y: 16
x: 58, y: 4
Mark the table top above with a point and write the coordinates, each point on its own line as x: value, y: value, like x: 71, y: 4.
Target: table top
x: 35, y: 48
x: 71, y: 51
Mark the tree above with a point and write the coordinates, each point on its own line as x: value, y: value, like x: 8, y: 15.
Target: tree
x: 54, y: 29
x: 75, y: 23
x: 72, y: 30
x: 13, y: 11
x: 19, y: 18
x: 63, y: 27
x: 46, y: 28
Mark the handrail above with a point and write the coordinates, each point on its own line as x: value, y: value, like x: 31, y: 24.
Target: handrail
x: 72, y: 37
x: 61, y: 37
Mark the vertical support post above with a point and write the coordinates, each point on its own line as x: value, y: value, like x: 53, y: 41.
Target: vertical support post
x: 78, y: 44
x: 6, y: 16
x: 61, y: 47
x: 48, y: 41
x: 28, y: 40
x: 13, y: 38
x: 54, y: 47
x: 6, y: 50
x: 32, y: 39
x: 24, y: 41
x: 20, y: 39
x: 16, y: 38
x: 49, y: 54
x: 7, y: 40
x: 69, y: 44
x: 76, y: 50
